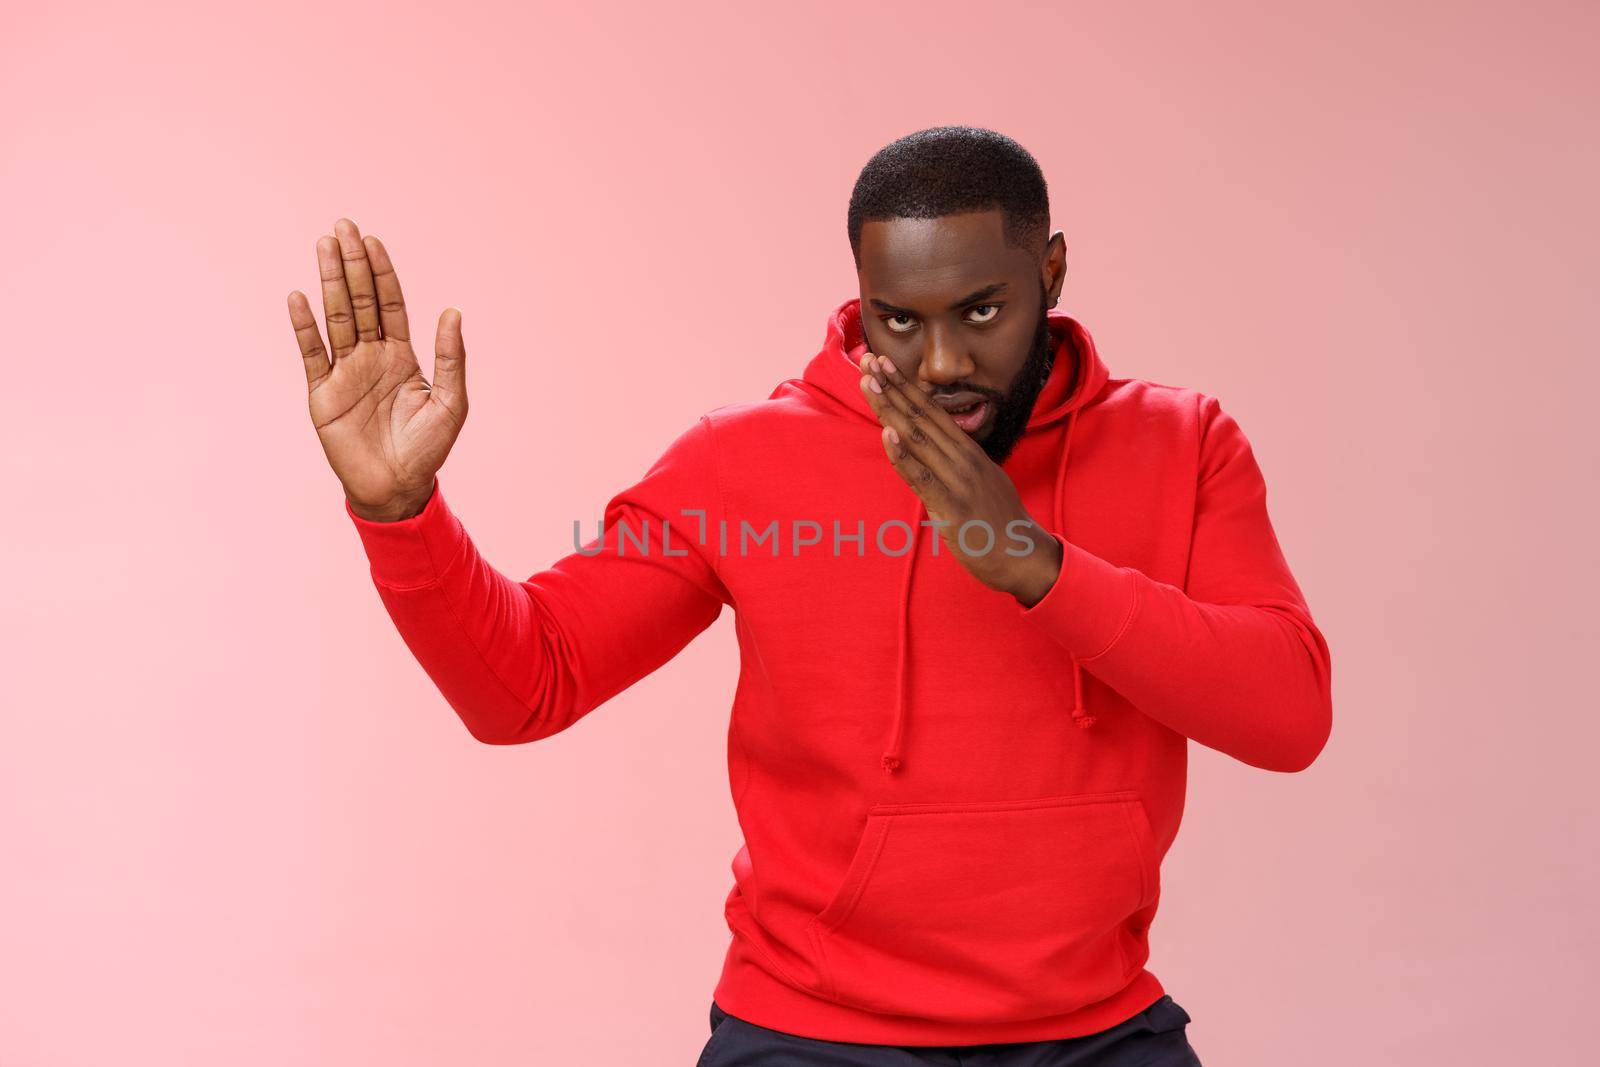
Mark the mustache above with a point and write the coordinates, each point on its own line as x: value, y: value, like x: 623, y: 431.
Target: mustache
x: 980, y: 390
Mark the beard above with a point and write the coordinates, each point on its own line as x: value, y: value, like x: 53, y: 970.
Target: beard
x: 1013, y: 407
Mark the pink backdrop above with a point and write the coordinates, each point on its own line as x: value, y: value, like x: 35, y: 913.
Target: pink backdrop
x: 239, y: 826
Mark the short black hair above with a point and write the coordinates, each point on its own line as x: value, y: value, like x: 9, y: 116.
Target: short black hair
x: 951, y: 170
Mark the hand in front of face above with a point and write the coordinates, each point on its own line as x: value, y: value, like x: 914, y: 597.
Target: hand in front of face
x: 959, y: 484
x: 384, y: 429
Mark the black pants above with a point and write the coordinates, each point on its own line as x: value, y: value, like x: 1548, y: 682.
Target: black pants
x: 1153, y: 1038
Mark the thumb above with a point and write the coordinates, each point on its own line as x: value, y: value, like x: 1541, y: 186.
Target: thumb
x: 450, y: 363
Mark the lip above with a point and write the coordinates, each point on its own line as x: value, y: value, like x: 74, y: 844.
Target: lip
x: 957, y: 401
x: 974, y: 418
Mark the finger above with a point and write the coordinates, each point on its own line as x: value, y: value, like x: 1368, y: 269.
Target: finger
x: 914, y: 433
x: 915, y: 473
x: 358, y: 277
x: 391, y: 304
x: 915, y: 442
x: 306, y: 334
x: 916, y: 418
x: 450, y: 364
x: 335, y: 298
x: 916, y: 403
x: 897, y: 392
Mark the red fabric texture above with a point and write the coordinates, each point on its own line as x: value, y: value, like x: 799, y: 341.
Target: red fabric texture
x: 955, y: 809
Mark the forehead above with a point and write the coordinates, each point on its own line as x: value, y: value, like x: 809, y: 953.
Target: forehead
x: 940, y: 258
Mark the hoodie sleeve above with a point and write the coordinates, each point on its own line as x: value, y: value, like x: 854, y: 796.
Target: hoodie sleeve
x: 1233, y: 660
x: 519, y: 661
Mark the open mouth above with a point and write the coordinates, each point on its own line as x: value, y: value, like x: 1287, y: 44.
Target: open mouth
x: 971, y: 417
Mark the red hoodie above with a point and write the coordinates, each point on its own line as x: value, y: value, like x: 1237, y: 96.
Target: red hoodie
x: 954, y: 808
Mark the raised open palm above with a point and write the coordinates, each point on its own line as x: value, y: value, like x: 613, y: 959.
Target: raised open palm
x: 385, y: 430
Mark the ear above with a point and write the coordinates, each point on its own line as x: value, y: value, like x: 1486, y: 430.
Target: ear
x: 1053, y: 268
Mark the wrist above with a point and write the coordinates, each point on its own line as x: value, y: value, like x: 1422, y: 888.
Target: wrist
x: 1037, y: 571
x: 397, y: 509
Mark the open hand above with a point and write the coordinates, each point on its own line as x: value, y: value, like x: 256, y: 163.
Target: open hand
x: 974, y: 504
x: 384, y: 429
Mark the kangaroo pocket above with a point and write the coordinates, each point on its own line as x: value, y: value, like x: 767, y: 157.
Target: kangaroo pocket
x: 996, y: 910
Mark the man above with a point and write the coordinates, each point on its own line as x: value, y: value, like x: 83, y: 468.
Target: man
x: 985, y: 594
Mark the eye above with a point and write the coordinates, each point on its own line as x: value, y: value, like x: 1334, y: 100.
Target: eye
x: 903, y: 327
x: 993, y: 310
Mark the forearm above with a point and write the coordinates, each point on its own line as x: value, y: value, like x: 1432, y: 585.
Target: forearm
x: 521, y: 660
x: 475, y: 632
x: 1248, y: 679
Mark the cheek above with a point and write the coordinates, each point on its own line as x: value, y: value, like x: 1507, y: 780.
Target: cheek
x: 1010, y: 354
x: 999, y: 369
x: 902, y: 352
x: 907, y: 362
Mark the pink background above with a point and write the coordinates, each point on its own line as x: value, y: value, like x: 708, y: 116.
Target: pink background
x: 237, y: 823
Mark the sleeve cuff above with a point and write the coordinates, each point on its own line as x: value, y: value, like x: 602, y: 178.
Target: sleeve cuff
x: 412, y: 552
x: 1089, y: 607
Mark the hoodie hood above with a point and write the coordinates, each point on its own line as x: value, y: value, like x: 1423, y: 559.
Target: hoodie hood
x: 835, y: 371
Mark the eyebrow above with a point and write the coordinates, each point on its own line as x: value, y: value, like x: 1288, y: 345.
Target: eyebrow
x: 971, y: 298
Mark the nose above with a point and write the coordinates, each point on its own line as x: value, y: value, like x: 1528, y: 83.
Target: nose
x: 945, y: 359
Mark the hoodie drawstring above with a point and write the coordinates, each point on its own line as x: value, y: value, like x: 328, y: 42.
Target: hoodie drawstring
x: 1079, y: 714
x: 891, y: 757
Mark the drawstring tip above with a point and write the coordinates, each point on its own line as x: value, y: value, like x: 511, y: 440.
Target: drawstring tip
x: 891, y: 764
x: 1086, y: 721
